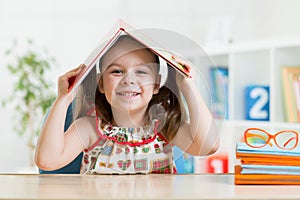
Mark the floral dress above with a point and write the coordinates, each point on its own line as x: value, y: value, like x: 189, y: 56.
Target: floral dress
x: 120, y: 150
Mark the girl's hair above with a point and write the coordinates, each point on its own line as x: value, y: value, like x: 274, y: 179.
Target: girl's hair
x: 167, y: 97
x: 85, y: 95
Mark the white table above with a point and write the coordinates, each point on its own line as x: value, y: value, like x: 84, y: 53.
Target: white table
x: 200, y: 186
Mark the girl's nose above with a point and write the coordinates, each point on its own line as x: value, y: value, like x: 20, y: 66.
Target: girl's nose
x: 128, y: 78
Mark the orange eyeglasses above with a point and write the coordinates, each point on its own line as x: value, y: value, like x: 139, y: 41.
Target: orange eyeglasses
x: 258, y: 138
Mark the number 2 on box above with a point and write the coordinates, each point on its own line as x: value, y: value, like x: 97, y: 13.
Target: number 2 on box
x: 257, y: 109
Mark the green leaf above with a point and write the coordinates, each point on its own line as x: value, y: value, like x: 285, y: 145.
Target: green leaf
x: 30, y: 71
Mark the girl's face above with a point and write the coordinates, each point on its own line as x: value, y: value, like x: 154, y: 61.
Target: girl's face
x: 130, y: 80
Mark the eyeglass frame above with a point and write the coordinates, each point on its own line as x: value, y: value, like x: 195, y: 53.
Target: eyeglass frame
x: 271, y: 136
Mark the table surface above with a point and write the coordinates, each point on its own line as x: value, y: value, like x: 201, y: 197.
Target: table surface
x: 192, y: 186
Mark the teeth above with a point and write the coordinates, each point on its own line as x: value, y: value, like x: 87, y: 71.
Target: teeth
x: 127, y: 94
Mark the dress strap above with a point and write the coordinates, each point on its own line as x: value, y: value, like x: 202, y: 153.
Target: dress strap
x: 90, y: 112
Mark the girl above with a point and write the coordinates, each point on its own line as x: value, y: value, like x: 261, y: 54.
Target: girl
x: 136, y: 120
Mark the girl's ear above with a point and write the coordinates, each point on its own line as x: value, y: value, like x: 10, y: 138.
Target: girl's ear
x: 98, y: 77
x: 100, y: 83
x: 157, y: 84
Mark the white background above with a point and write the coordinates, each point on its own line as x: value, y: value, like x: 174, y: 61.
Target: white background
x: 69, y: 29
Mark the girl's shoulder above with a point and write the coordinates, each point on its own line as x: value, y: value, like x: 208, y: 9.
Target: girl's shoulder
x: 86, y: 121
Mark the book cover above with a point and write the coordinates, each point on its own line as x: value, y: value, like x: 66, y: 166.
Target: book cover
x: 264, y: 159
x: 269, y: 169
x: 296, y: 82
x: 264, y: 179
x: 242, y: 147
x: 176, y: 61
x: 289, y: 98
x: 219, y: 91
x: 184, y: 162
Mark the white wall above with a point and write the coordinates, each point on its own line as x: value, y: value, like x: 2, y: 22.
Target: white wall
x: 69, y: 29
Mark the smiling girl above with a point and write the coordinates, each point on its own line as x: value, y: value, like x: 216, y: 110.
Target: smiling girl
x: 136, y: 121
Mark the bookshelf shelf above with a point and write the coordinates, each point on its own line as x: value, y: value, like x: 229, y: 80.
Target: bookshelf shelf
x: 249, y: 123
x: 257, y: 63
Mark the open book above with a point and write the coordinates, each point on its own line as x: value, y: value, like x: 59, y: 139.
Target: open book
x: 177, y: 62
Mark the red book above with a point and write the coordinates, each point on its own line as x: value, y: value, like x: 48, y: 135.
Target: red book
x: 177, y: 62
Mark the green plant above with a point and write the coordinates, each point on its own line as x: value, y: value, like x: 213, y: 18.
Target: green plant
x: 32, y: 93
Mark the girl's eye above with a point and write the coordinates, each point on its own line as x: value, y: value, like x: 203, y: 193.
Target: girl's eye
x: 117, y: 71
x: 141, y: 72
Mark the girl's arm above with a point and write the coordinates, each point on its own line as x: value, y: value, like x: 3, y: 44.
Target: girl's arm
x: 55, y: 148
x: 199, y: 137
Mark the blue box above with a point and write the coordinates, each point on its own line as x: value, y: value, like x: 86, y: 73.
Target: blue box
x: 257, y: 101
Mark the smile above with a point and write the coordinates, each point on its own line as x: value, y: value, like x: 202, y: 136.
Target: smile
x: 128, y: 94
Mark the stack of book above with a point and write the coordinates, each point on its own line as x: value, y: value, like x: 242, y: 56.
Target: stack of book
x: 267, y: 165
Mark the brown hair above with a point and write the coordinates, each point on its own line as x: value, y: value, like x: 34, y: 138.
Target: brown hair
x: 167, y: 97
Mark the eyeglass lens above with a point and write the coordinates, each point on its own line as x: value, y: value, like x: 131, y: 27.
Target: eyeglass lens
x: 256, y: 138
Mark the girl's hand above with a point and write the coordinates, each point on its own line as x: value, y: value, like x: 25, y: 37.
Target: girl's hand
x: 181, y: 80
x: 63, y: 81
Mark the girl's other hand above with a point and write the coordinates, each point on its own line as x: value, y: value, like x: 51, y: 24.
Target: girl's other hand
x: 64, y: 80
x: 181, y: 79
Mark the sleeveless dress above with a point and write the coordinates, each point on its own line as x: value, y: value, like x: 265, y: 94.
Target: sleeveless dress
x: 121, y: 150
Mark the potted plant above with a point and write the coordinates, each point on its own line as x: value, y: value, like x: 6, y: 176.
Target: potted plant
x: 32, y: 93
